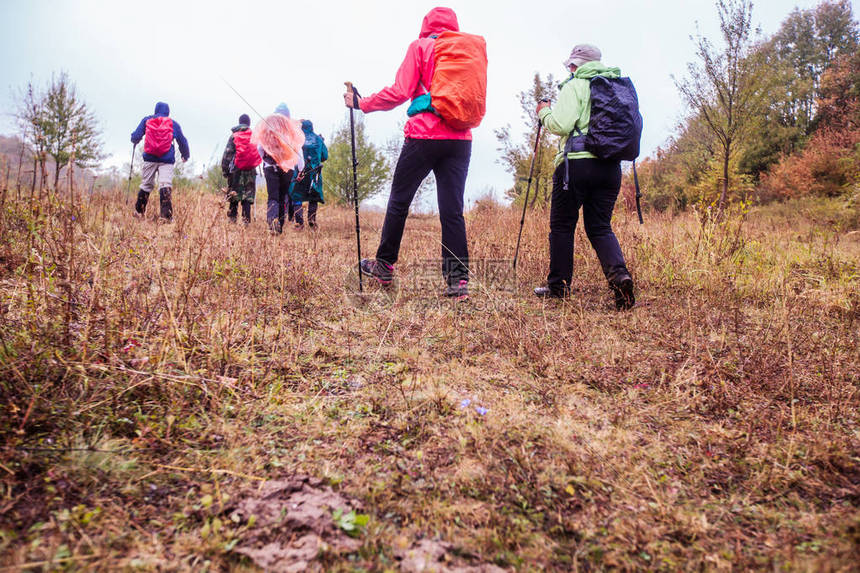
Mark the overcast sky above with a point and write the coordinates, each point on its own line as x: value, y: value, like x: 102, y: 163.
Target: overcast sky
x: 125, y: 56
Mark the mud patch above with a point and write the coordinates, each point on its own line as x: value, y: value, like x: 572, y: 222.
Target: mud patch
x: 292, y: 524
x: 439, y: 557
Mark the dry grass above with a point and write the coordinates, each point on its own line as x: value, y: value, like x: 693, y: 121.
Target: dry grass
x: 151, y: 373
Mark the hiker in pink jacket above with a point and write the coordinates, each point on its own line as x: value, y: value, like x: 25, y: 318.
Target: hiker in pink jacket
x: 430, y: 145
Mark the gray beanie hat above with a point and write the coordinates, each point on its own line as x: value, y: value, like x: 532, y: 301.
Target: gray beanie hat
x: 583, y: 53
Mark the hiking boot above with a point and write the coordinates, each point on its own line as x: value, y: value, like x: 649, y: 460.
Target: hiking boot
x: 552, y: 292
x: 382, y: 272
x: 299, y: 227
x: 142, y: 200
x: 622, y: 288
x: 460, y: 291
x: 246, y: 212
x: 164, y: 197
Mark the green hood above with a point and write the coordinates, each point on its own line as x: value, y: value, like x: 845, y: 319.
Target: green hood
x: 591, y: 70
x: 572, y: 110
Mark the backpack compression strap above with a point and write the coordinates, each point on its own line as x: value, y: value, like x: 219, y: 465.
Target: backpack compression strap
x: 574, y: 144
x: 424, y: 102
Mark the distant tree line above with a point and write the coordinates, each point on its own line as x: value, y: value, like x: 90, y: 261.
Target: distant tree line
x: 768, y: 118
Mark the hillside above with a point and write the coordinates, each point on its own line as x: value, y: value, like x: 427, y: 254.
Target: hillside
x: 198, y: 395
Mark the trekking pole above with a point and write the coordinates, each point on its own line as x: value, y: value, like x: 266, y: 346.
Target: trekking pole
x: 355, y: 96
x: 638, y: 195
x: 526, y: 199
x: 259, y: 173
x: 130, y: 171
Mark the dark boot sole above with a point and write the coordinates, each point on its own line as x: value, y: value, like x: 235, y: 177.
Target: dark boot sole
x: 456, y: 295
x: 552, y: 294
x: 624, y: 298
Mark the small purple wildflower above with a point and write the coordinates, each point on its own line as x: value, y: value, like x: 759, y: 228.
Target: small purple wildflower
x: 465, y: 403
x: 481, y: 410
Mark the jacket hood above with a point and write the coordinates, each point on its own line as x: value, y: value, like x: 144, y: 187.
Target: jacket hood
x: 590, y: 70
x: 283, y: 109
x: 240, y: 127
x: 307, y: 126
x: 162, y: 109
x: 439, y: 20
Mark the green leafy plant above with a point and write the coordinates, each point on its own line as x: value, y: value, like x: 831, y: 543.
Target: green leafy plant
x: 352, y: 523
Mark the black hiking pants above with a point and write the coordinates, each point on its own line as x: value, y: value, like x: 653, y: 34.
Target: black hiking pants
x: 298, y: 213
x: 243, y: 188
x: 448, y: 159
x: 594, y: 186
x: 278, y: 186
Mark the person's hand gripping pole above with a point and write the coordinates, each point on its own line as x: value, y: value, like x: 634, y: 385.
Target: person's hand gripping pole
x: 351, y: 98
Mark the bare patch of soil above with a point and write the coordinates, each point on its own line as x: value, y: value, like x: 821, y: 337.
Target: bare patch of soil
x: 292, y: 524
x: 437, y: 556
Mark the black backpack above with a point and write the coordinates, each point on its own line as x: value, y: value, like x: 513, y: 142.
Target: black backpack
x: 615, y: 126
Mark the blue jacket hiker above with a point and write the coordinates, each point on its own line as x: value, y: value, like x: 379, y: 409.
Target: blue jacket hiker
x: 158, y: 132
x: 308, y: 184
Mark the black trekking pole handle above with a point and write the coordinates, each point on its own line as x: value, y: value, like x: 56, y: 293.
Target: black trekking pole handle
x: 130, y: 171
x: 526, y: 199
x: 355, y: 96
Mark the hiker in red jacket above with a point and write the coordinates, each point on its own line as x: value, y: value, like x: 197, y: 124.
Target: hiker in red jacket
x: 431, y: 145
x: 158, y: 132
x: 239, y: 167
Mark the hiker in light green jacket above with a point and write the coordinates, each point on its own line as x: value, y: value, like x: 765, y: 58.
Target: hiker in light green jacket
x: 594, y: 185
x: 573, y: 108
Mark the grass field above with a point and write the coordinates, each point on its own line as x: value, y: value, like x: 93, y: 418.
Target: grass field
x: 202, y: 396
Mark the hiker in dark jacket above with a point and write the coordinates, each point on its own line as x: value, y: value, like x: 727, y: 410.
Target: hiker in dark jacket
x: 593, y: 185
x: 239, y: 167
x: 308, y: 184
x: 158, y: 132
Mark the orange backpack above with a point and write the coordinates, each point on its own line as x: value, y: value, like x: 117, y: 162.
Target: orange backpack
x: 459, y: 83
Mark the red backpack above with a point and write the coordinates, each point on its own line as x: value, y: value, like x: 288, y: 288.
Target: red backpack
x: 159, y: 136
x: 247, y: 156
